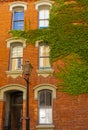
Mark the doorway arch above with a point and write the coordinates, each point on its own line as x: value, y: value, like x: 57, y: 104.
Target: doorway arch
x: 13, y: 95
x: 11, y: 87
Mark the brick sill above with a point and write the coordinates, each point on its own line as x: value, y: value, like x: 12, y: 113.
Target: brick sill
x: 45, y: 72
x: 14, y: 74
x: 45, y: 127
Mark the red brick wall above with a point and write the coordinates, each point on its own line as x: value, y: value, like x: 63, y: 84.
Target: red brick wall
x: 2, y: 105
x: 69, y: 112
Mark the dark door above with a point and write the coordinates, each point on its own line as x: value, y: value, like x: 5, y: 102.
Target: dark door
x: 16, y: 110
x: 14, y: 119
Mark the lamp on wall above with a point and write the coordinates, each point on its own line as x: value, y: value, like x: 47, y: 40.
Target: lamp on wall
x: 27, y: 68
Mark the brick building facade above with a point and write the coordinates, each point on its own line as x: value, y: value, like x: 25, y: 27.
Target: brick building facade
x: 49, y: 109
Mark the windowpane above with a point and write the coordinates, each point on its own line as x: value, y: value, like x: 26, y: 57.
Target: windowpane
x: 16, y: 57
x: 18, y: 20
x: 44, y: 14
x: 18, y: 25
x: 44, y: 63
x: 16, y: 64
x: 19, y: 63
x: 45, y: 107
x: 18, y: 16
x: 44, y: 50
x: 42, y: 98
x: 17, y: 51
x: 41, y: 14
x: 48, y: 98
x: 44, y: 60
x: 43, y: 24
x: 45, y: 116
x: 43, y: 18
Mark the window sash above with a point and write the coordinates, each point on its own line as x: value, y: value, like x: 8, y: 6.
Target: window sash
x: 16, y: 56
x: 44, y: 63
x: 43, y: 23
x: 45, y: 107
x: 18, y: 20
x: 16, y: 63
x: 17, y: 51
x: 18, y: 25
x: 44, y: 58
x: 18, y: 16
x: 43, y: 14
x: 45, y: 115
x: 43, y: 18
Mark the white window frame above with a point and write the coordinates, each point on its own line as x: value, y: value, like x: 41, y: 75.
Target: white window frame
x: 43, y: 57
x: 17, y: 10
x: 17, y: 4
x: 15, y: 73
x: 41, y: 5
x: 38, y: 88
x: 43, y: 17
x: 16, y: 66
x: 45, y: 110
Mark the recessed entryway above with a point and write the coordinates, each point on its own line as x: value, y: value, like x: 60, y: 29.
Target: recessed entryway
x: 13, y: 110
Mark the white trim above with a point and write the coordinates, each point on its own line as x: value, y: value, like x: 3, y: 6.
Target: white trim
x: 43, y: 2
x: 15, y: 39
x: 45, y: 127
x: 38, y: 42
x: 17, y: 4
x: 45, y: 72
x: 11, y: 87
x: 14, y: 74
x: 45, y: 86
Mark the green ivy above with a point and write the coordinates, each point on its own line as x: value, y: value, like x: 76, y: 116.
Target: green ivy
x: 67, y: 34
x: 31, y: 35
x: 74, y: 77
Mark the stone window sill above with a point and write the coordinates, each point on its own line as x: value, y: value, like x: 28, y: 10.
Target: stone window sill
x: 45, y: 72
x: 14, y: 74
x: 45, y: 127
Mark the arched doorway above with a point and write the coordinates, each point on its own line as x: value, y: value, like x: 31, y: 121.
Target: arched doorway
x: 13, y: 110
x: 13, y: 96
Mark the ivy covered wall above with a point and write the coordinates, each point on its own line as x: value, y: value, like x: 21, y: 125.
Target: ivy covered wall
x: 67, y: 35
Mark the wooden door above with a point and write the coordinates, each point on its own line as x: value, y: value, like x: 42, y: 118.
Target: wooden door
x: 16, y: 110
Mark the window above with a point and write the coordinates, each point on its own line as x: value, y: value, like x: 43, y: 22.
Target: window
x: 18, y: 8
x: 16, y: 56
x: 44, y: 57
x: 43, y: 8
x: 45, y: 106
x: 18, y: 18
x: 43, y: 16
